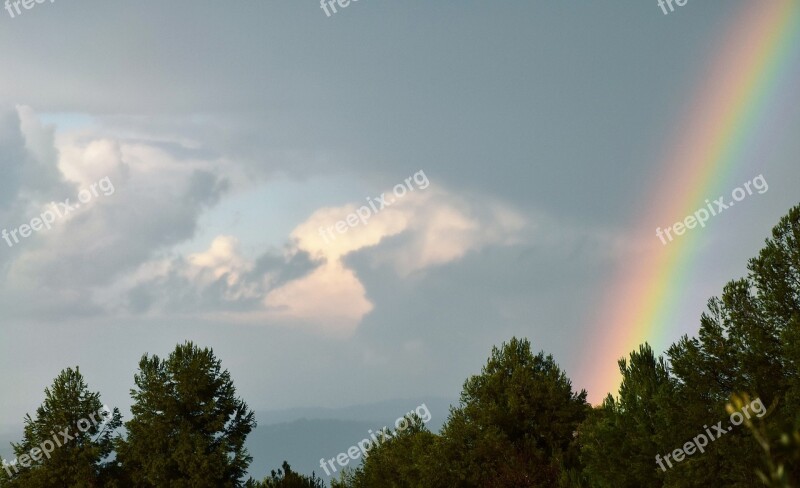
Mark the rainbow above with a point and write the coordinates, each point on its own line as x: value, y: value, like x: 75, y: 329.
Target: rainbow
x: 740, y: 94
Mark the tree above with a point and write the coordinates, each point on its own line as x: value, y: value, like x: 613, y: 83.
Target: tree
x: 188, y: 427
x: 620, y: 438
x: 400, y: 461
x: 776, y: 276
x: 747, y: 347
x: 68, y: 442
x: 516, y: 423
x: 775, y: 272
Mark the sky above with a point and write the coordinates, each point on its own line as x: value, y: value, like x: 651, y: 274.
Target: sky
x: 220, y: 137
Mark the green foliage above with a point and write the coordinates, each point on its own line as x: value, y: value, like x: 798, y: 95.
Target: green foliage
x: 400, y: 461
x: 516, y: 423
x: 747, y: 343
x: 188, y: 427
x: 735, y: 351
x: 776, y: 275
x: 515, y: 426
x: 68, y: 442
x: 619, y: 440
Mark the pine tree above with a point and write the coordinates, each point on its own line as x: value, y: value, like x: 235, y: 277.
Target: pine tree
x: 747, y: 345
x: 516, y: 423
x: 402, y: 460
x: 776, y: 276
x: 188, y: 427
x: 620, y: 439
x: 69, y: 441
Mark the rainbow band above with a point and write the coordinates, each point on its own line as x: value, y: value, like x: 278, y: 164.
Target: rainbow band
x: 737, y: 96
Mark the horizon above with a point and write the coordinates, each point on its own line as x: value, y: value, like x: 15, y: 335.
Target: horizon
x: 352, y: 207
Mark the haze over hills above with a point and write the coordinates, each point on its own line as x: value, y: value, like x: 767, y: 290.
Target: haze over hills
x: 378, y: 412
x: 302, y: 443
x: 303, y: 436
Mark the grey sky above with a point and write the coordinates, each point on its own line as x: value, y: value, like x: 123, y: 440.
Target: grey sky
x: 232, y: 129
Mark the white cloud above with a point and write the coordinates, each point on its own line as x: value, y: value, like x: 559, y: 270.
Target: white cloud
x: 432, y: 227
x: 422, y: 230
x: 121, y: 252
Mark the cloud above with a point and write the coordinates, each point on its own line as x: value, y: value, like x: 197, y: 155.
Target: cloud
x: 155, y: 205
x: 310, y: 283
x: 217, y: 280
x: 424, y: 229
x: 29, y: 173
x: 331, y: 297
x: 120, y: 255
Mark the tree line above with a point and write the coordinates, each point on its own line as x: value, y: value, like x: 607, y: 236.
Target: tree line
x: 519, y: 423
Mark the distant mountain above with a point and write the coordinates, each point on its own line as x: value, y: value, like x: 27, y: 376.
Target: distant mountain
x: 302, y: 443
x: 385, y: 411
x: 303, y: 436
